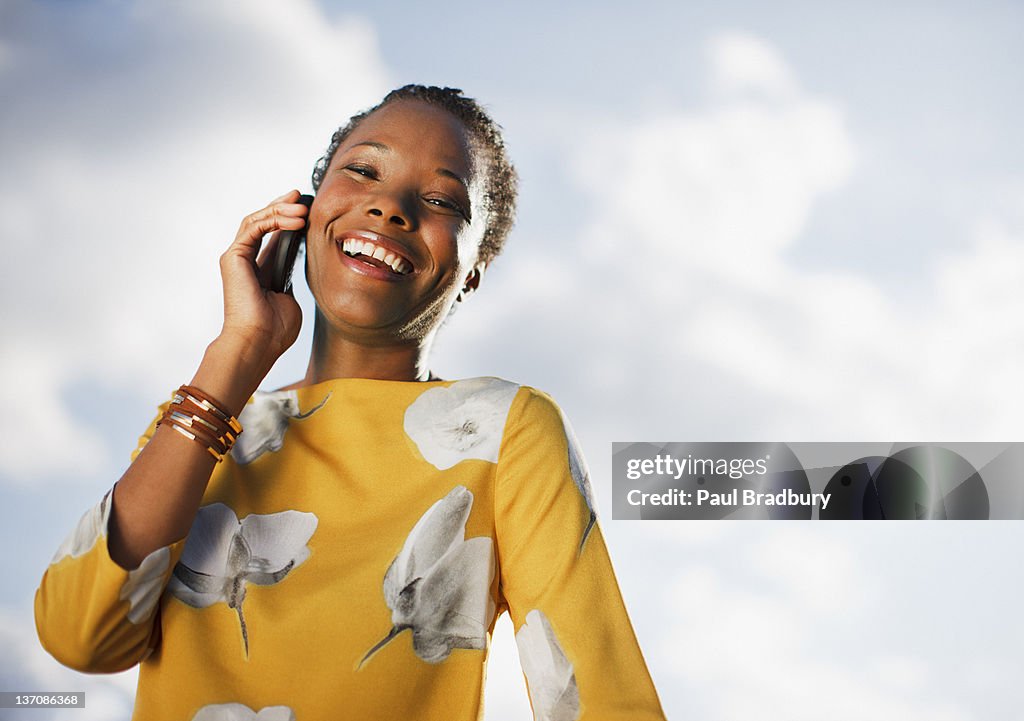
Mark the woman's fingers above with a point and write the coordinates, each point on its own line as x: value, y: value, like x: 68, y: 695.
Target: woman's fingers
x: 280, y: 214
x: 240, y: 271
x: 294, y: 193
x: 265, y: 263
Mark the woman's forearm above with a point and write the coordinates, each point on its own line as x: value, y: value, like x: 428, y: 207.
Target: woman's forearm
x: 156, y: 499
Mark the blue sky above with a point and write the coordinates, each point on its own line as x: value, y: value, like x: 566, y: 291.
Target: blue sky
x: 738, y: 221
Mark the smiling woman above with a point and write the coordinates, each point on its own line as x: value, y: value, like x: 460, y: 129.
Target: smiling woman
x: 370, y: 521
x: 408, y: 171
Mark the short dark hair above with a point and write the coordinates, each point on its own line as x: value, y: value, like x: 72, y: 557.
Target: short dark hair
x: 502, y: 180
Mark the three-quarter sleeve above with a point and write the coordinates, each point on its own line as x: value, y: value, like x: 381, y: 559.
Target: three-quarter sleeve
x: 576, y: 645
x: 91, y: 614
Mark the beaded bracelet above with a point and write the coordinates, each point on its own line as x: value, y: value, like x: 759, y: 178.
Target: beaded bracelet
x: 198, y: 417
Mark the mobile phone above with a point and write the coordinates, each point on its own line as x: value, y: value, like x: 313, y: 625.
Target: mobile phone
x: 287, y: 249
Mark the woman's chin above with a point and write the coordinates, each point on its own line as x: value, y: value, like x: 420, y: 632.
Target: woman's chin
x: 363, y: 317
x: 373, y: 324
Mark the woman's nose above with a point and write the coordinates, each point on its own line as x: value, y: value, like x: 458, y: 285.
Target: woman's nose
x: 395, y: 210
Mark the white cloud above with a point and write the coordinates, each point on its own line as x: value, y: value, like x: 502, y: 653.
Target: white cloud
x: 741, y: 62
x: 724, y: 190
x: 818, y: 566
x: 137, y: 136
x: 974, y: 341
x: 679, y: 535
x: 689, y: 268
x: 771, y: 654
x: 39, y: 422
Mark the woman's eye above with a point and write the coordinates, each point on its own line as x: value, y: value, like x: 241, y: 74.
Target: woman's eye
x: 447, y: 205
x: 364, y: 170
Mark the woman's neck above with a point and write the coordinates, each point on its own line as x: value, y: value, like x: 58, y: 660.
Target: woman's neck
x: 335, y: 356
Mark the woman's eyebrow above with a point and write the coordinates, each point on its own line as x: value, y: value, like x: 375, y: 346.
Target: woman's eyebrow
x: 454, y: 176
x: 373, y: 144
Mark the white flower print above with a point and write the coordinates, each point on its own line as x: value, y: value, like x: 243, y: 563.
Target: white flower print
x: 264, y: 420
x: 439, y: 585
x: 580, y: 477
x: 464, y: 420
x: 91, y: 527
x: 549, y: 674
x: 241, y: 712
x: 222, y: 555
x: 145, y: 585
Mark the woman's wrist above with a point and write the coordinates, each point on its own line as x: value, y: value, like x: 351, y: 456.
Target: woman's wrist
x: 232, y: 369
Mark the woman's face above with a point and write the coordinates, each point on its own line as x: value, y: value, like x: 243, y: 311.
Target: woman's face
x: 396, y: 225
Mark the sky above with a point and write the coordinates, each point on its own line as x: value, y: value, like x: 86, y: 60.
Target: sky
x: 797, y: 221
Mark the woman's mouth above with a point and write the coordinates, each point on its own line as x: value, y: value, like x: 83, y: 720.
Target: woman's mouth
x: 375, y: 255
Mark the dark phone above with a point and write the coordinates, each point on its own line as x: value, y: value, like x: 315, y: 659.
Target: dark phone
x: 287, y: 249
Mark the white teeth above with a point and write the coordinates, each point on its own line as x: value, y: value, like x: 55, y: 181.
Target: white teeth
x: 354, y: 247
x: 397, y: 264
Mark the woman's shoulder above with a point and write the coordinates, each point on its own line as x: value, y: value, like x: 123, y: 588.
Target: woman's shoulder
x: 492, y: 384
x: 510, y: 406
x: 472, y: 403
x: 478, y: 413
x: 510, y: 397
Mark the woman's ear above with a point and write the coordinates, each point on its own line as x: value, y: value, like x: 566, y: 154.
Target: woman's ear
x: 472, y: 281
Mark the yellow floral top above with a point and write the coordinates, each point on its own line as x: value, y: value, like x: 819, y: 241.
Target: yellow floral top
x: 349, y: 560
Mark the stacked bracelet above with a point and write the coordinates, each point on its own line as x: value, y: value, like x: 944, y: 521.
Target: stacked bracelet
x: 199, y: 418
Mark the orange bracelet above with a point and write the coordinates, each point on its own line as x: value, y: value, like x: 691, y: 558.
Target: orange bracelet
x: 198, y: 417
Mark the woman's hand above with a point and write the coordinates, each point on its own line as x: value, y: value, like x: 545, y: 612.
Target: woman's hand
x: 260, y: 319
